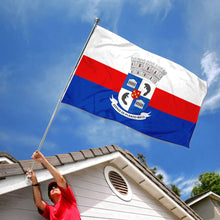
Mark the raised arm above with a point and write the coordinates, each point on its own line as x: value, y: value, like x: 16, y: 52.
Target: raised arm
x: 39, y: 157
x: 36, y: 191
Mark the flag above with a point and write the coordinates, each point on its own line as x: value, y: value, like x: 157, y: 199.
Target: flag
x: 118, y: 80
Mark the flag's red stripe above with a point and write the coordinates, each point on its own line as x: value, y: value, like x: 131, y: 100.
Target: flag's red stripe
x: 110, y: 78
x: 100, y: 73
x: 175, y: 106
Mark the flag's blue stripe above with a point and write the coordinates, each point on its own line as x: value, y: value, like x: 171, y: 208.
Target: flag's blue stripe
x: 95, y: 99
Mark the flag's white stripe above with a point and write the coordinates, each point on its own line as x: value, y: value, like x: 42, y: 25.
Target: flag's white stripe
x: 116, y: 52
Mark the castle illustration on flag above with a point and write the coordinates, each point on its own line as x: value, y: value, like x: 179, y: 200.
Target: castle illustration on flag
x: 138, y: 88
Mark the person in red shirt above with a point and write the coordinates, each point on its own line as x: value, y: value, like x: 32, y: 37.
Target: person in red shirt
x: 60, y: 193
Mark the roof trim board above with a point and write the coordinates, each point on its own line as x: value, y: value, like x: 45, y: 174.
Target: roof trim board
x: 203, y: 196
x: 12, y: 183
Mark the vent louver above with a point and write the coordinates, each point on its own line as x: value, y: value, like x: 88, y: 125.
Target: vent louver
x: 118, y: 182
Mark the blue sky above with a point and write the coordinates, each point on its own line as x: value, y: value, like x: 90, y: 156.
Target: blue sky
x: 40, y: 44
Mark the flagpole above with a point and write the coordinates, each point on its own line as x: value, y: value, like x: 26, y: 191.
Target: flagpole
x: 64, y: 91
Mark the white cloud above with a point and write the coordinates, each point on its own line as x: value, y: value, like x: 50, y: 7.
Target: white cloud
x: 178, y: 180
x: 155, y: 7
x: 166, y: 176
x: 211, y: 69
x: 16, y: 10
x: 9, y: 138
x: 203, y: 22
x: 186, y: 186
x: 105, y: 9
x: 210, y: 66
x: 23, y: 12
x: 183, y: 183
x: 100, y: 132
x: 212, y: 103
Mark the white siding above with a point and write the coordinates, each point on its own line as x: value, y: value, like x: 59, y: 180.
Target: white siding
x: 97, y: 201
x: 18, y: 205
x: 94, y: 197
x: 206, y: 209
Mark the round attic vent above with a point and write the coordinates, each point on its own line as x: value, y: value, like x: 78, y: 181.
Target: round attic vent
x: 117, y: 183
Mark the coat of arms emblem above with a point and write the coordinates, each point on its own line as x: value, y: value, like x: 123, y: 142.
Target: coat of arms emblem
x: 138, y: 88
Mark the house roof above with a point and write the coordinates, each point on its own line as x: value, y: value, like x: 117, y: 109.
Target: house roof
x: 123, y: 159
x: 6, y: 158
x: 201, y: 196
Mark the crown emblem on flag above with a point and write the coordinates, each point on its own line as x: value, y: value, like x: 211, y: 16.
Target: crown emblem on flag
x: 147, y: 69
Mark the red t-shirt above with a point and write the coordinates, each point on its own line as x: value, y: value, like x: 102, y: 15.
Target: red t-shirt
x: 65, y: 209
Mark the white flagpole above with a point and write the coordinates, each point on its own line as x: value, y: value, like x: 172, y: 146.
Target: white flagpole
x: 67, y: 85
